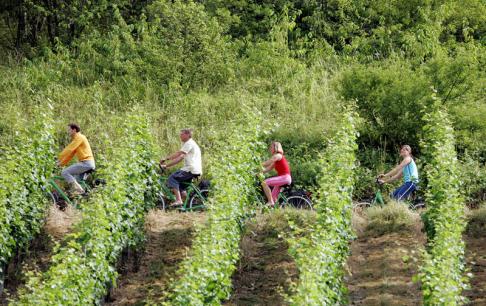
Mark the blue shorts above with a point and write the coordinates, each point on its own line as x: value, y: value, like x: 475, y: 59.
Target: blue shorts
x: 180, y: 179
x: 403, y: 192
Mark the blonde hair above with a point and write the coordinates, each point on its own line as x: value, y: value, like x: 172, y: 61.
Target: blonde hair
x: 277, y: 147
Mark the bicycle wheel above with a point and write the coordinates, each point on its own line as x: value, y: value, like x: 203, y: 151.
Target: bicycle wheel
x: 415, y: 206
x: 57, y: 200
x: 162, y: 203
x: 299, y: 202
x: 197, y: 200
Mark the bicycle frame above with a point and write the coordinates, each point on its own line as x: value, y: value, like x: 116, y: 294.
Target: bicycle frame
x: 191, y: 188
x: 378, y: 197
x: 61, y: 192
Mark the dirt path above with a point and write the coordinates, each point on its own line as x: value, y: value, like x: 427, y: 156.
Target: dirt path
x: 169, y: 237
x: 381, y: 269
x: 266, y: 269
x: 38, y: 255
x: 476, y: 259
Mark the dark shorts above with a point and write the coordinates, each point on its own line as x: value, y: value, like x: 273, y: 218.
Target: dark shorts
x: 180, y: 179
x: 403, y: 192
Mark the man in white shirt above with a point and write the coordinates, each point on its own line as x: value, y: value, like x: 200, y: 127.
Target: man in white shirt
x: 191, y: 154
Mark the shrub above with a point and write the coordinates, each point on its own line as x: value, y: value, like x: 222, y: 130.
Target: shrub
x: 24, y: 169
x: 442, y: 271
x: 321, y: 255
x: 112, y: 220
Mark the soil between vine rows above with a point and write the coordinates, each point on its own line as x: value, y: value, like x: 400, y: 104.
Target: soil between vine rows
x: 265, y: 270
x: 381, y: 269
x: 38, y: 255
x: 169, y: 236
x: 476, y: 259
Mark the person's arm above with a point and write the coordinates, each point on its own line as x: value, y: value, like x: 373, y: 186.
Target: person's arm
x: 68, y: 153
x: 393, y: 178
x: 175, y: 158
x: 392, y: 172
x: 270, y: 163
x: 396, y: 173
x: 172, y: 156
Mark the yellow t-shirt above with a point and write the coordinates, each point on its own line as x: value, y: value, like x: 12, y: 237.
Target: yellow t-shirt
x: 80, y: 147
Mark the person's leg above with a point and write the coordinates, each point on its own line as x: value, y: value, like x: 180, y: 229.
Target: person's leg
x: 70, y: 173
x: 402, y: 192
x: 268, y: 193
x: 173, y: 183
x: 276, y: 182
x: 178, y: 181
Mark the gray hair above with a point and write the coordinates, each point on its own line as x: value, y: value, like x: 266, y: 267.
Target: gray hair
x: 187, y: 131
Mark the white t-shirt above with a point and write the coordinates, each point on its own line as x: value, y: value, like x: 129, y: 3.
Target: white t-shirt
x: 192, y: 159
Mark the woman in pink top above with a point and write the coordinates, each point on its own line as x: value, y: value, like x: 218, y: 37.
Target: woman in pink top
x: 279, y: 163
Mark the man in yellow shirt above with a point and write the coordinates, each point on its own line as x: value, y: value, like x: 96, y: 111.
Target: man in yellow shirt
x: 80, y: 147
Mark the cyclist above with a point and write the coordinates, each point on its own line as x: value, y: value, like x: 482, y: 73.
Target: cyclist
x: 279, y: 163
x: 191, y: 154
x: 406, y: 169
x: 80, y: 148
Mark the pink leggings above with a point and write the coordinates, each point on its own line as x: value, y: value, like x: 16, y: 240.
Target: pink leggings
x: 276, y: 182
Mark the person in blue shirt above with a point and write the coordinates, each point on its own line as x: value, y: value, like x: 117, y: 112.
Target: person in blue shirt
x: 406, y: 169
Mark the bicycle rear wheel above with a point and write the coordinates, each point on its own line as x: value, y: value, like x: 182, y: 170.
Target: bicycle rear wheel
x: 196, y: 201
x: 299, y: 202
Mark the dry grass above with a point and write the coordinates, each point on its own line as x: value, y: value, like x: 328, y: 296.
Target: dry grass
x: 59, y: 223
x: 391, y: 218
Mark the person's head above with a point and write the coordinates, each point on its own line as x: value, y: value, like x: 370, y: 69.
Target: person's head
x: 405, y: 151
x: 185, y: 134
x: 276, y: 147
x: 73, y: 128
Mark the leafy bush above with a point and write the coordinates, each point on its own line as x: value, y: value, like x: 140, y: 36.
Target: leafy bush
x: 112, y: 220
x: 24, y: 169
x: 395, y: 95
x: 205, y: 277
x: 321, y: 255
x: 442, y: 271
x: 473, y: 175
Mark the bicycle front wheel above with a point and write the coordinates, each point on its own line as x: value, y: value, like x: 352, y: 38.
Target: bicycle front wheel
x: 299, y: 202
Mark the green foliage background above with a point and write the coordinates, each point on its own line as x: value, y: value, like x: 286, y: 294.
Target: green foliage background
x: 295, y: 61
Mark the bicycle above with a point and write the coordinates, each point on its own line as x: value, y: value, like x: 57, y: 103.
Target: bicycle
x: 195, y: 199
x: 61, y: 198
x: 299, y: 199
x: 413, y: 200
x: 377, y: 199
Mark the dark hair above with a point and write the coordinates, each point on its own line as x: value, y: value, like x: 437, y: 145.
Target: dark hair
x: 74, y: 126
